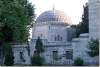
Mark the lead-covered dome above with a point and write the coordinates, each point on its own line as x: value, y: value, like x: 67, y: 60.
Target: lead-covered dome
x: 53, y: 15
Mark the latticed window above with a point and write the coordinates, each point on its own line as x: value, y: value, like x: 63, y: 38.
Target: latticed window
x: 69, y: 54
x: 55, y: 55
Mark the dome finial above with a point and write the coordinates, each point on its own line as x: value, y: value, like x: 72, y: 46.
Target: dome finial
x: 53, y: 7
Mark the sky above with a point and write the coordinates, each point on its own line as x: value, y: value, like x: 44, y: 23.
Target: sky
x: 72, y: 8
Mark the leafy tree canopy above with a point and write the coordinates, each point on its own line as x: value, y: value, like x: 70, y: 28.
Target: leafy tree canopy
x: 16, y: 18
x: 17, y: 15
x: 83, y: 26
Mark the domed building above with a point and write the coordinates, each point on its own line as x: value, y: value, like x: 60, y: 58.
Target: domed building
x: 53, y: 15
x: 53, y: 28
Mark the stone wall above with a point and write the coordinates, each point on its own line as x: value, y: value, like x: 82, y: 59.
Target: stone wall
x: 94, y: 18
x: 80, y: 48
x: 21, y: 56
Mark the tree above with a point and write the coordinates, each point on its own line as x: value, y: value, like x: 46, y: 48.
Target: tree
x: 93, y: 48
x: 7, y: 34
x: 8, y: 55
x: 83, y: 26
x: 17, y: 15
x: 37, y: 58
x: 16, y: 18
x: 39, y: 46
x: 78, y: 62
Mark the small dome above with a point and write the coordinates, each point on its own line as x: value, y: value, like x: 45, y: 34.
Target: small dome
x: 53, y: 15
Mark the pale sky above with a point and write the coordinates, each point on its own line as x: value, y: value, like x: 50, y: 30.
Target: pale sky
x: 73, y: 8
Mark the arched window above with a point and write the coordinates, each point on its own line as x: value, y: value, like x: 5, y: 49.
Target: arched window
x: 58, y: 38
x: 41, y: 35
x: 55, y: 38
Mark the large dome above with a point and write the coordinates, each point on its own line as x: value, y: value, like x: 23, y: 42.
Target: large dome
x: 53, y: 15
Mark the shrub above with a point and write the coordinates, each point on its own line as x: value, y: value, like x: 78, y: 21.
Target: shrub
x: 37, y: 60
x: 78, y: 62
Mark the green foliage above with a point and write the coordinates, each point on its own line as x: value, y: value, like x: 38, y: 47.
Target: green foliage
x: 93, y: 47
x: 16, y: 18
x: 7, y: 34
x: 83, y: 26
x: 9, y: 60
x: 85, y: 20
x: 78, y: 62
x: 17, y: 15
x: 37, y: 60
x: 39, y: 46
x: 8, y: 55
